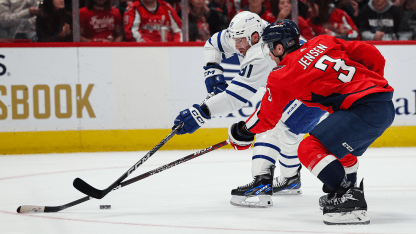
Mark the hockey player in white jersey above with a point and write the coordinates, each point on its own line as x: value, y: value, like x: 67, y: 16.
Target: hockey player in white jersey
x: 281, y: 143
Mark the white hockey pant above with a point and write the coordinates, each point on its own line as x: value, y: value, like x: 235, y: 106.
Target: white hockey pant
x: 277, y: 145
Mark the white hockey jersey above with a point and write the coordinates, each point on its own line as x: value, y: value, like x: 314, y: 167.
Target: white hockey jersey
x: 254, y: 70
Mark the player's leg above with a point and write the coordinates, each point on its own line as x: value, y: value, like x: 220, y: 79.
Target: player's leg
x: 297, y: 120
x: 279, y: 146
x: 260, y: 187
x: 343, y: 132
x: 265, y: 154
x: 350, y: 164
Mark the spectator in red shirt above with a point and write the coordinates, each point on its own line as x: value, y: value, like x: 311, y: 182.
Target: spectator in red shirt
x: 324, y: 19
x: 100, y: 22
x: 152, y: 21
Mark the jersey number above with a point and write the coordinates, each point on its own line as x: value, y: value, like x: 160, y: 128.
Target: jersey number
x: 345, y: 75
x: 243, y: 71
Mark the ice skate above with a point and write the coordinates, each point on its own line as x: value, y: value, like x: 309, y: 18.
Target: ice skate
x: 323, y: 200
x: 259, y: 189
x: 346, y: 206
x: 287, y: 186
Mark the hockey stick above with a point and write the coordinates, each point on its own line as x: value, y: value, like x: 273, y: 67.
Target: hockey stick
x: 87, y: 189
x: 47, y: 209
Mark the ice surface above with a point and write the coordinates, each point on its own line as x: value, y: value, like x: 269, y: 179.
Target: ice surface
x: 192, y: 197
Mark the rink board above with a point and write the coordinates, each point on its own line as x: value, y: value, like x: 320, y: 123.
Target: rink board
x: 121, y: 98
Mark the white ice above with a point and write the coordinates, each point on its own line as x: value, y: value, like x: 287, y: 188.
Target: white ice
x: 192, y: 197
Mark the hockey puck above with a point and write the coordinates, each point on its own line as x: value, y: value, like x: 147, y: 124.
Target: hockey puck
x: 105, y: 207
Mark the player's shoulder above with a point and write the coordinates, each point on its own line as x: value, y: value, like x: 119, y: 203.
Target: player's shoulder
x: 321, y: 38
x: 318, y: 42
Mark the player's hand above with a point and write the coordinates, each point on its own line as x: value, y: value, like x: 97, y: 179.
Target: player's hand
x: 240, y: 139
x: 214, y: 79
x: 193, y: 118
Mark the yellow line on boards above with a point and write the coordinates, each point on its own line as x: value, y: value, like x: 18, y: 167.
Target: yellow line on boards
x: 142, y: 139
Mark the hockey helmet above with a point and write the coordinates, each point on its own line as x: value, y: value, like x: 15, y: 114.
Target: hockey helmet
x: 244, y: 24
x: 284, y: 31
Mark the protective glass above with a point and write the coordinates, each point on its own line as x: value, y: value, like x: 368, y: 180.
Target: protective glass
x: 240, y: 42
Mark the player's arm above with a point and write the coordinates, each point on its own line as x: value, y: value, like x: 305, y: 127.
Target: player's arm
x: 194, y: 117
x: 216, y: 49
x: 253, y: 74
x: 241, y: 135
x: 365, y: 54
x: 242, y: 88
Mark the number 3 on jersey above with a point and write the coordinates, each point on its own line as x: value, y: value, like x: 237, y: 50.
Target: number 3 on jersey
x: 339, y: 64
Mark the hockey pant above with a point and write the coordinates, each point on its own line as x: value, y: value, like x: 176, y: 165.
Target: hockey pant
x: 340, y: 138
x: 280, y: 144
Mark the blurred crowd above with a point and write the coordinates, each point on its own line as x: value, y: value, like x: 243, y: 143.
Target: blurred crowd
x: 160, y: 21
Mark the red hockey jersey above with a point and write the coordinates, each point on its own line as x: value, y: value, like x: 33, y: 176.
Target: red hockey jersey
x: 325, y: 72
x: 338, y: 19
x: 143, y: 26
x: 99, y: 24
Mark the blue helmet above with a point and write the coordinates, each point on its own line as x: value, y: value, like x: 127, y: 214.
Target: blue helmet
x: 284, y: 31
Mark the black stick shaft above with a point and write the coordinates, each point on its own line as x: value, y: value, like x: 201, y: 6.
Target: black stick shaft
x: 172, y: 164
x: 47, y: 209
x: 87, y: 189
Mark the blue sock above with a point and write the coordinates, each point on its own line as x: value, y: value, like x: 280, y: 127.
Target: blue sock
x: 352, y: 178
x: 333, y: 174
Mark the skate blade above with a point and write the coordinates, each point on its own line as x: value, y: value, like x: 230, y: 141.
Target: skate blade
x: 288, y: 192
x: 357, y: 217
x: 265, y: 201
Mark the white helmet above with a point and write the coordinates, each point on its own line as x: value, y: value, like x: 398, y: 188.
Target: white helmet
x: 244, y: 24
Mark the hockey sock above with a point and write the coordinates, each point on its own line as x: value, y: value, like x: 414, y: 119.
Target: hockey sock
x: 317, y: 158
x: 350, y: 163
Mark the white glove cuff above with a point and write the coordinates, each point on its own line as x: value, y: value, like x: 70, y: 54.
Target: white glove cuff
x: 237, y: 142
x: 200, y: 120
x: 212, y: 72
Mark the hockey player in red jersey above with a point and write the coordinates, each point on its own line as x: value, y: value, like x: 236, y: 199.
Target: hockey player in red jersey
x: 152, y: 21
x: 343, y: 78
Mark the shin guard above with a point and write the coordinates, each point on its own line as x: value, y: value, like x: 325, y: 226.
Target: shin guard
x: 317, y: 158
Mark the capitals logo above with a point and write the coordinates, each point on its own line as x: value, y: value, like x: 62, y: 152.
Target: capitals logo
x: 277, y: 25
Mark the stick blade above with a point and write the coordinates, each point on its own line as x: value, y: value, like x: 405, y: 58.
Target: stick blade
x: 30, y: 209
x: 87, y: 189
